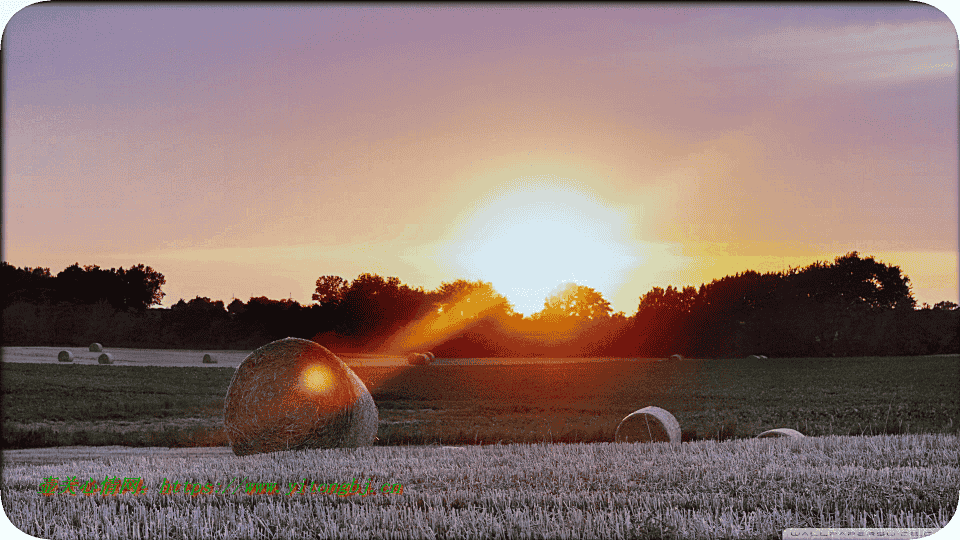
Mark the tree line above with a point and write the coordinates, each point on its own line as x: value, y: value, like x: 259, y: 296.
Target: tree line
x: 854, y: 306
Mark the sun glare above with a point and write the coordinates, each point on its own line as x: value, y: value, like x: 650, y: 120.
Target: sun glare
x: 535, y: 237
x: 316, y: 378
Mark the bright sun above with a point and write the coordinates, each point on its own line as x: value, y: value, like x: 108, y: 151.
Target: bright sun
x: 535, y: 237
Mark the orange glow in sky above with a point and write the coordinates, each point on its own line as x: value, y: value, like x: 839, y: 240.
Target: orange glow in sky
x: 618, y: 147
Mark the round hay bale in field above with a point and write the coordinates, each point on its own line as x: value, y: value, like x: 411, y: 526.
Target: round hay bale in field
x: 293, y: 394
x: 675, y: 358
x: 780, y: 432
x: 105, y: 358
x: 207, y: 359
x: 649, y: 424
x: 96, y: 347
x: 65, y: 356
x: 416, y: 359
x: 431, y: 356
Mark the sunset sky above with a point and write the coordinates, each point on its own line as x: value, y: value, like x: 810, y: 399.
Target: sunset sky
x: 246, y: 151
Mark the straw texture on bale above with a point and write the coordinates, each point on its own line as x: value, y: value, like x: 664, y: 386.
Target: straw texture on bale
x: 96, y: 347
x: 675, y: 357
x: 207, y: 359
x: 649, y: 424
x: 105, y: 358
x: 65, y: 356
x: 293, y: 394
x: 780, y: 432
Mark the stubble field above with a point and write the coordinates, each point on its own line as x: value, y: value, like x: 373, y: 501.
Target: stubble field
x: 882, y: 452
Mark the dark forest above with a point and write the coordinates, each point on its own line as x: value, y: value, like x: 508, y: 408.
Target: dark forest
x: 854, y: 306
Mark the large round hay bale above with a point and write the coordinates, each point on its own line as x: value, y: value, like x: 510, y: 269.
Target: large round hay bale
x: 675, y: 358
x: 207, y: 359
x: 293, y: 394
x: 96, y: 347
x: 105, y: 358
x: 649, y: 424
x: 65, y: 356
x: 780, y: 432
x: 416, y: 359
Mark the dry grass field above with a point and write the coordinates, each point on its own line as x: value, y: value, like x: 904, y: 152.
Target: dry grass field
x: 534, y: 459
x: 706, y: 489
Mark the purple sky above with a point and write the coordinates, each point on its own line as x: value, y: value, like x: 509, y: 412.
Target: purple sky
x: 246, y: 151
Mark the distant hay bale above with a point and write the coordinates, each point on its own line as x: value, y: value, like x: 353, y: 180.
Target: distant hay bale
x: 105, y: 358
x: 96, y: 347
x: 65, y: 356
x: 675, y: 358
x: 417, y: 359
x: 207, y: 359
x: 780, y: 432
x: 293, y: 394
x: 649, y: 424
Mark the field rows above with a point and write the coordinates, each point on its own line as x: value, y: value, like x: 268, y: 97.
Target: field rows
x: 66, y: 404
x: 707, y: 489
x: 906, y: 476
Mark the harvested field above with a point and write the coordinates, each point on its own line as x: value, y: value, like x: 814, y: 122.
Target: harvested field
x: 750, y: 489
x: 484, y: 404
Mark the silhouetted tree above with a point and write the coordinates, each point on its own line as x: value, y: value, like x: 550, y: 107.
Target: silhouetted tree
x: 330, y: 290
x: 575, y: 301
x: 471, y: 299
x: 142, y: 286
x: 366, y: 308
x: 660, y: 319
x: 33, y: 285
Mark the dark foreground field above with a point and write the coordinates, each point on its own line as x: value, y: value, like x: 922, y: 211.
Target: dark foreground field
x: 59, y: 405
x: 899, y: 469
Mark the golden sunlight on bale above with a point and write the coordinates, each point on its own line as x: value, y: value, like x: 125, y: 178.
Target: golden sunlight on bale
x: 207, y: 359
x: 649, y: 424
x: 293, y: 394
x: 65, y: 356
x: 675, y: 358
x: 96, y: 347
x: 431, y: 356
x: 105, y: 358
x: 780, y: 432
